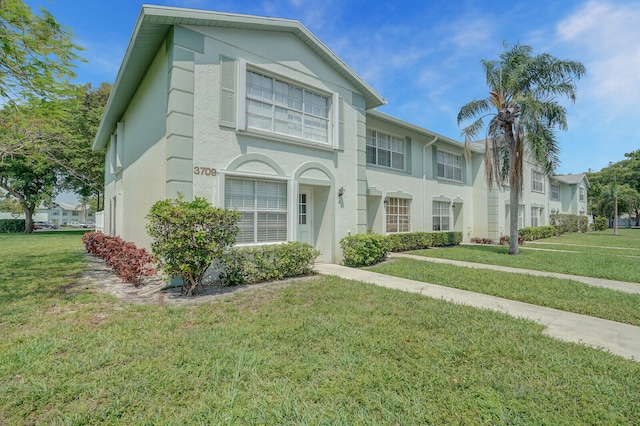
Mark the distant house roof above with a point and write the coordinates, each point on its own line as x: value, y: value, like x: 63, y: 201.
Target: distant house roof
x: 152, y: 26
x: 69, y: 207
x: 572, y: 179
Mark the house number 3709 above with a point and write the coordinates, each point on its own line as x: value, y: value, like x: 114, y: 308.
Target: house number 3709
x: 206, y: 171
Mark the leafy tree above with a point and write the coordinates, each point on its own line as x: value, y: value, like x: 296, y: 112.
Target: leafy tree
x: 38, y: 54
x: 624, y: 172
x: 30, y: 180
x: 81, y: 168
x: 630, y: 199
x: 10, y: 205
x: 524, y: 115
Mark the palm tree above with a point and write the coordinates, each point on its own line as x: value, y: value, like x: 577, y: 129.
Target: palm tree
x: 523, y: 115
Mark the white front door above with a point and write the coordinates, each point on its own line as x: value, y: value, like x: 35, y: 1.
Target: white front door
x: 305, y: 216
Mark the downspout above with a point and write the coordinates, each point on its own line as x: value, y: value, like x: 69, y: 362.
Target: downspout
x: 424, y: 181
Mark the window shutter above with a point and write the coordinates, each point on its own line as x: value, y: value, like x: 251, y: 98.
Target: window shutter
x: 407, y: 154
x: 341, y: 144
x: 335, y: 120
x: 434, y: 153
x: 227, y: 92
x: 464, y: 170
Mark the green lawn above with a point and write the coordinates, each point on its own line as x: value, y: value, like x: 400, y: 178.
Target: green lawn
x: 566, y: 295
x: 627, y: 238
x: 321, y: 351
x: 592, y: 262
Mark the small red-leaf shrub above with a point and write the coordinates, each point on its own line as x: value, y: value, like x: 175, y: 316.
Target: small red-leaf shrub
x: 477, y: 240
x: 504, y: 240
x: 128, y: 261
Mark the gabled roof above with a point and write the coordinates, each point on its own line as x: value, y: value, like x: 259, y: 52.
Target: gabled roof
x: 428, y: 133
x: 69, y: 207
x: 152, y: 26
x: 572, y: 179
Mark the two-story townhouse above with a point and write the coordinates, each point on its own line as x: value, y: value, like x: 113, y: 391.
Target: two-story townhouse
x: 60, y: 213
x: 257, y: 114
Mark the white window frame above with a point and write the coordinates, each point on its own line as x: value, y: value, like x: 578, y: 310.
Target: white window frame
x: 441, y: 211
x: 381, y: 146
x: 295, y: 111
x: 555, y: 191
x: 398, y: 215
x: 252, y: 212
x: 581, y: 194
x: 449, y: 165
x: 537, y: 181
x: 521, y: 216
x: 536, y: 216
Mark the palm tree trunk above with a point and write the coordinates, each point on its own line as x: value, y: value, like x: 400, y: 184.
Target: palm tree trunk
x: 615, y: 216
x: 514, y: 193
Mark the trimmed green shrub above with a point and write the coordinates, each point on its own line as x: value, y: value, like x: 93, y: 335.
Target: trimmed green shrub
x: 409, y: 241
x: 364, y: 250
x: 569, y: 223
x: 537, y: 232
x: 445, y: 239
x: 600, y: 223
x: 11, y: 225
x: 250, y: 265
x: 188, y: 236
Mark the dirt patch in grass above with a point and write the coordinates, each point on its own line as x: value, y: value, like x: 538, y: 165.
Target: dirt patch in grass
x: 153, y: 290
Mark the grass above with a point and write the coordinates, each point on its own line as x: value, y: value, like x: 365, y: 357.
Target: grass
x: 627, y: 238
x: 555, y: 293
x: 323, y: 351
x: 598, y: 263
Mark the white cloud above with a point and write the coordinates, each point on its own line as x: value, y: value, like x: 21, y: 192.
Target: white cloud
x: 606, y: 33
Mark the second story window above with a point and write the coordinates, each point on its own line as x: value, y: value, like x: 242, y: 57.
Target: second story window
x: 449, y: 166
x: 537, y: 179
x: 385, y: 150
x: 581, y: 195
x: 281, y: 107
x: 555, y: 191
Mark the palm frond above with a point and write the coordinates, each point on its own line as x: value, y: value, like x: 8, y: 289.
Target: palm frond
x: 473, y: 109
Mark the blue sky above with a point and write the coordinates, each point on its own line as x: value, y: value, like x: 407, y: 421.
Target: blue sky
x: 424, y: 57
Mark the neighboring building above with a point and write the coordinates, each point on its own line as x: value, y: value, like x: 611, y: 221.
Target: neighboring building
x: 256, y: 114
x: 61, y: 213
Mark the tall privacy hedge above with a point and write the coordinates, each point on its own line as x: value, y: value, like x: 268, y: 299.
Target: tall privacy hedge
x: 11, y: 225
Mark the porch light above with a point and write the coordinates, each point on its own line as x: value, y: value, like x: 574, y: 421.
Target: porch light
x: 340, y: 192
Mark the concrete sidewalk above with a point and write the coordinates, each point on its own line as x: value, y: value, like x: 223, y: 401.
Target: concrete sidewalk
x: 620, y: 339
x: 625, y: 287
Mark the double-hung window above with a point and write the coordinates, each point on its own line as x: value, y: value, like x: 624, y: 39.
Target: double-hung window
x: 263, y: 205
x: 385, y: 150
x: 581, y: 195
x: 520, y: 216
x: 440, y: 216
x: 449, y: 166
x: 281, y: 107
x: 536, y: 213
x: 537, y: 179
x: 555, y: 191
x: 398, y: 212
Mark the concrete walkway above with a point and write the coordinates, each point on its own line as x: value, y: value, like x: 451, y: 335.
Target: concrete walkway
x: 620, y: 339
x: 596, y: 282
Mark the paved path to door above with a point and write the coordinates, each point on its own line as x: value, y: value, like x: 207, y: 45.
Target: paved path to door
x: 620, y: 339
